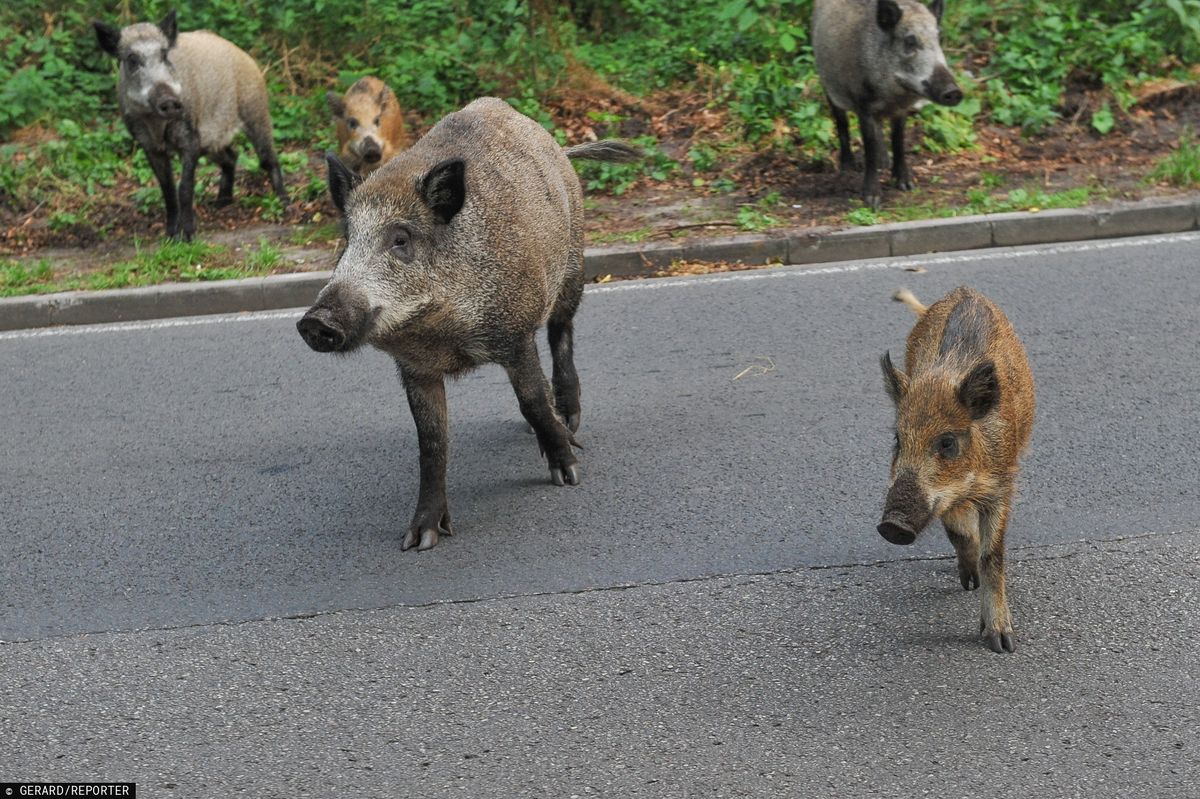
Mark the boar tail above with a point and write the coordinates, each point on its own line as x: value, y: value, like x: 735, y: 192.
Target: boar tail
x: 613, y: 150
x: 908, y: 298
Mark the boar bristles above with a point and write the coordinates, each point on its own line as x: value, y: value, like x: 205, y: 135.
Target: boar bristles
x: 908, y: 298
x: 895, y: 382
x: 611, y: 150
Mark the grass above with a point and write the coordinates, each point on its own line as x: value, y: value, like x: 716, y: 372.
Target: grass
x: 983, y: 200
x: 181, y: 262
x: 1182, y: 167
x: 622, y: 237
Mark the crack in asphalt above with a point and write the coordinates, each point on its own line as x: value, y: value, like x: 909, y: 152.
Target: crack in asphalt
x: 1079, y: 547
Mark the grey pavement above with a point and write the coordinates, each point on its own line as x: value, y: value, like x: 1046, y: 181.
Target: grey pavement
x: 172, y: 491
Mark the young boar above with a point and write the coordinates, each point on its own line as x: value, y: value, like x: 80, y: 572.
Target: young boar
x: 964, y: 413
x: 189, y: 93
x: 457, y: 251
x: 880, y: 59
x: 370, y: 125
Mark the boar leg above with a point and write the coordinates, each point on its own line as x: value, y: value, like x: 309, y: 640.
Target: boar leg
x: 260, y: 135
x: 995, y: 621
x: 160, y: 162
x: 561, y: 332
x: 533, y: 395
x: 227, y: 160
x: 187, y: 190
x: 427, y: 400
x: 842, y: 121
x: 901, y: 171
x: 872, y: 134
x: 962, y: 528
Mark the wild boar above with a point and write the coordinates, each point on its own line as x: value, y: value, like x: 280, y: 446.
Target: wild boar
x: 880, y: 59
x: 457, y: 251
x: 189, y: 93
x: 964, y: 414
x: 370, y: 125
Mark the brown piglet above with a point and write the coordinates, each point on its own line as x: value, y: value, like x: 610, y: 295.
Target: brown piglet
x: 370, y: 125
x: 964, y: 414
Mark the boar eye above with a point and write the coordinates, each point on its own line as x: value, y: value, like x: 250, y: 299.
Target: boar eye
x: 376, y: 122
x: 400, y: 244
x: 352, y: 122
x: 947, y: 445
x: 911, y: 44
x: 132, y: 61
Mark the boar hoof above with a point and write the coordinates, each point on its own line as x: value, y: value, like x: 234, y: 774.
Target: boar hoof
x: 573, y: 423
x: 904, y: 182
x: 563, y: 476
x: 424, y: 535
x: 969, y: 579
x: 1001, y: 642
x: 872, y: 200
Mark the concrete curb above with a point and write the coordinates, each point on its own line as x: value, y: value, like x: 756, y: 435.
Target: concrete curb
x: 804, y: 246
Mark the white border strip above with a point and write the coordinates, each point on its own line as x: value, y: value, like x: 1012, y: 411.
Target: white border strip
x: 687, y: 281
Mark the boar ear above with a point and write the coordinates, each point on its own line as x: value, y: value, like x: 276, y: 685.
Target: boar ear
x: 887, y: 14
x: 895, y: 382
x: 445, y: 189
x: 341, y: 181
x: 170, y: 28
x: 980, y: 390
x: 936, y: 8
x: 382, y: 99
x: 336, y: 104
x: 109, y: 36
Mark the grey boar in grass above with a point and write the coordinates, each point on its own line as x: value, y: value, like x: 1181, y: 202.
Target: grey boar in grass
x: 881, y: 59
x: 964, y: 414
x: 457, y: 251
x: 189, y: 93
x: 370, y: 124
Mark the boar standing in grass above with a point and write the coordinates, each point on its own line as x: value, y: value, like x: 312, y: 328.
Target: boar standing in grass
x: 880, y: 59
x: 456, y: 252
x: 964, y: 413
x: 370, y: 125
x: 189, y: 93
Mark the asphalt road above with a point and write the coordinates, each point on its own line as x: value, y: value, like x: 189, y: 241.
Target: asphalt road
x: 194, y: 510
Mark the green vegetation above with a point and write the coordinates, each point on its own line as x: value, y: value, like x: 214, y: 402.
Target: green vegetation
x: 751, y: 56
x: 169, y: 261
x: 756, y: 217
x: 64, y: 152
x: 982, y: 200
x: 1182, y: 167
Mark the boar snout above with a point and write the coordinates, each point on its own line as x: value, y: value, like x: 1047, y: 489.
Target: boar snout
x: 166, y: 102
x: 905, y: 513
x: 320, y: 331
x: 371, y: 151
x: 941, y: 88
x: 337, y: 323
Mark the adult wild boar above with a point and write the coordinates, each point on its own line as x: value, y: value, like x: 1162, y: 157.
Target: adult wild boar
x: 880, y: 59
x: 370, y: 124
x: 189, y: 93
x: 457, y: 251
x: 964, y: 414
